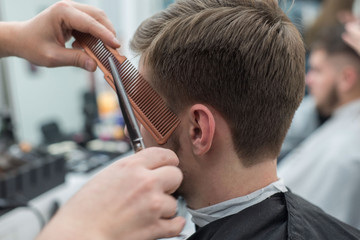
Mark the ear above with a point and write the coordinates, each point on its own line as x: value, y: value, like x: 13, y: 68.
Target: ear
x: 349, y: 79
x: 202, y: 128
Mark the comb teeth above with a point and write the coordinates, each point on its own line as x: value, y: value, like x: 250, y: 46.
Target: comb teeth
x: 148, y: 106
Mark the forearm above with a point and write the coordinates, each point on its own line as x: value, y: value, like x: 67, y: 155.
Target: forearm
x: 10, y: 38
x: 69, y: 229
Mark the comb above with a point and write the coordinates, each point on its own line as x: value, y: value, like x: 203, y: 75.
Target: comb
x: 149, y: 108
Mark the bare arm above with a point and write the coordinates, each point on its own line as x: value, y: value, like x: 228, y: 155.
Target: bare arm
x: 127, y: 200
x: 41, y: 40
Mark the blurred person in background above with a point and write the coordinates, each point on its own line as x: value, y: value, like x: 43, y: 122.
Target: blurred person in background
x: 325, y: 168
x: 308, y: 117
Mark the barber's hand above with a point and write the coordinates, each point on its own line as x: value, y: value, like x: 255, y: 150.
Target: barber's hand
x: 41, y: 40
x: 127, y: 200
x: 352, y: 35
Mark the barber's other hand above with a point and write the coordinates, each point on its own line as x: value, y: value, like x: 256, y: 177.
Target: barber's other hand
x: 352, y: 35
x: 127, y: 200
x: 41, y: 40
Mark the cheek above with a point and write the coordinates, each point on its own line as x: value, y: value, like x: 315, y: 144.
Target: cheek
x: 327, y: 83
x: 320, y: 83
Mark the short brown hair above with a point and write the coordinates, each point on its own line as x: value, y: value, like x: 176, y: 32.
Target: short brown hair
x: 243, y: 57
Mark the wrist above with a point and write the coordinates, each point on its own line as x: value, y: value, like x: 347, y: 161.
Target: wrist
x: 70, y: 228
x: 10, y: 38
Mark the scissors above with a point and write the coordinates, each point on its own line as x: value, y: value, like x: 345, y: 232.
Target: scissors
x: 126, y: 110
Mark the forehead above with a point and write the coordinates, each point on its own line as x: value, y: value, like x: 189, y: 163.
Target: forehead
x: 318, y: 56
x: 336, y: 61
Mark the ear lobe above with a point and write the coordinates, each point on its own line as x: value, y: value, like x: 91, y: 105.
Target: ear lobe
x: 202, y: 128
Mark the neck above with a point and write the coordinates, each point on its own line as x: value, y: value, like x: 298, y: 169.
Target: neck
x: 230, y: 180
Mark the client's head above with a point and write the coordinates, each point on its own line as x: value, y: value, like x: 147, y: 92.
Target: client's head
x: 333, y: 78
x: 232, y: 70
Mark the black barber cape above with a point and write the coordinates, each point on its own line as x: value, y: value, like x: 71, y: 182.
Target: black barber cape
x: 281, y: 216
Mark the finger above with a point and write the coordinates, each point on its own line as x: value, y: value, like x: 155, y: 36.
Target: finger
x: 156, y: 157
x: 73, y: 57
x: 80, y: 21
x: 169, y: 207
x: 97, y: 14
x: 169, y: 227
x: 353, y: 29
x: 169, y: 178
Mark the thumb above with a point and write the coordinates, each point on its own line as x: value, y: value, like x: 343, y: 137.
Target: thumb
x: 77, y: 58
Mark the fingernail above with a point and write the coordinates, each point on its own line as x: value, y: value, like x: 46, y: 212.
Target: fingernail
x: 90, y: 65
x: 116, y: 41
